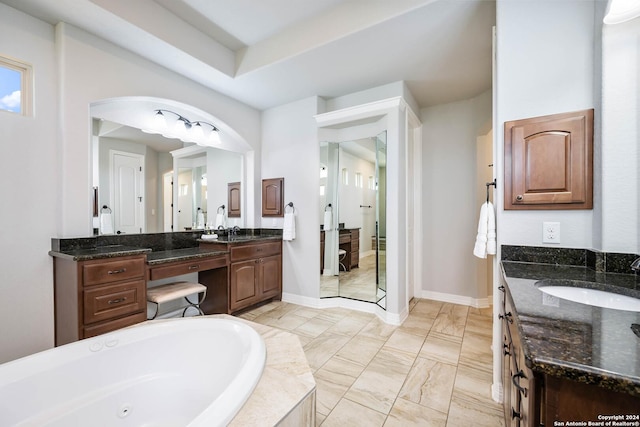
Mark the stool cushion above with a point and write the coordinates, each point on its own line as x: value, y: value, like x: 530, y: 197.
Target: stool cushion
x: 171, y: 291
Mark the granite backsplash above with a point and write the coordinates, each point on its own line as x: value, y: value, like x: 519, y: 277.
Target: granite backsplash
x: 602, y: 262
x: 153, y: 241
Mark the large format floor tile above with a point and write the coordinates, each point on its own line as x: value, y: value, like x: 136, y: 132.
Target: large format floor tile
x: 433, y: 370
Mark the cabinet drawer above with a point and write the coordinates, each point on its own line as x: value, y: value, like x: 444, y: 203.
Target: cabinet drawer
x: 255, y: 251
x: 192, y: 266
x: 112, y: 271
x: 123, y: 322
x: 107, y: 302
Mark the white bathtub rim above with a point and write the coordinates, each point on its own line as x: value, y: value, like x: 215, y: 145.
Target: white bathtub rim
x: 228, y: 401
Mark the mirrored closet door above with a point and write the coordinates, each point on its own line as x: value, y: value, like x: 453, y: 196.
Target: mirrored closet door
x: 353, y: 219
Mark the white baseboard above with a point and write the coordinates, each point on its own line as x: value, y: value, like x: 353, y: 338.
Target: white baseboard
x: 456, y: 299
x: 496, y: 392
x: 367, y: 307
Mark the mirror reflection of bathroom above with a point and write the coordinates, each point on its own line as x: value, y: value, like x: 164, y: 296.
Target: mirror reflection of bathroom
x: 353, y: 219
x: 133, y: 175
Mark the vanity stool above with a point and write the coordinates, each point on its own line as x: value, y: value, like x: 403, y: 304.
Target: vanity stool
x: 341, y: 254
x: 172, y: 291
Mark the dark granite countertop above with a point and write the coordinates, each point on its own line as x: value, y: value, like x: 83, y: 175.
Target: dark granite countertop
x: 566, y: 339
x: 100, y: 252
x: 185, y: 254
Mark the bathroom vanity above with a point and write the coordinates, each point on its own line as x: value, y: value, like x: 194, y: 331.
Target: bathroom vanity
x: 562, y: 360
x: 100, y: 283
x: 255, y: 270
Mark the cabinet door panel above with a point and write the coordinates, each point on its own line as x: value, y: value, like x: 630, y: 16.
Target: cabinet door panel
x: 270, y: 275
x: 548, y: 162
x: 244, y: 289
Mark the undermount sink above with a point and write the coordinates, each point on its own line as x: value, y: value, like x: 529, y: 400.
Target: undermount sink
x: 588, y: 296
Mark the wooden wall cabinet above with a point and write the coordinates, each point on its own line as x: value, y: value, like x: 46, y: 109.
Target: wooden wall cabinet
x: 234, y: 199
x: 98, y: 296
x: 548, y: 162
x: 273, y: 197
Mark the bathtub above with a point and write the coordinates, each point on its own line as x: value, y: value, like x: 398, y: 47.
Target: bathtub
x: 179, y: 372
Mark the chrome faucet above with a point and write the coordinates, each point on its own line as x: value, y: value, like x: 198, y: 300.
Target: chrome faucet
x: 234, y: 230
x: 635, y: 265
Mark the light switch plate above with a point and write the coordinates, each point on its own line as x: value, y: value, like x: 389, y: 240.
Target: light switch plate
x: 550, y: 232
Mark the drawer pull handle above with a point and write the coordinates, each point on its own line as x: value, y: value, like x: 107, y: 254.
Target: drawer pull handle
x: 515, y: 379
x: 194, y: 267
x: 122, y: 270
x: 117, y: 300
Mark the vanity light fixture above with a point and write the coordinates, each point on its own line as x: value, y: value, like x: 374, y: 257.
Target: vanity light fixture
x: 620, y: 11
x: 185, y: 129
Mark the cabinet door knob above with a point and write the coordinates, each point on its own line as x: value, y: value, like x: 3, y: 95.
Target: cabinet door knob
x: 519, y: 198
x: 515, y: 414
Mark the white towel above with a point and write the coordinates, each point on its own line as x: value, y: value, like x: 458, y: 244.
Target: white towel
x: 486, y: 237
x: 220, y: 220
x: 106, y: 223
x: 327, y: 220
x: 289, y: 227
x: 200, y: 219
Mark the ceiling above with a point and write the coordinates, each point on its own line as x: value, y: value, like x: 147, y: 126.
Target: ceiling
x: 270, y: 52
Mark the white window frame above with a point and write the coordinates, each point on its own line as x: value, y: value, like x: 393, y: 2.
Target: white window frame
x: 26, y: 84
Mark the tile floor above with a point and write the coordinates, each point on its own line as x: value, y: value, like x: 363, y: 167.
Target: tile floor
x: 433, y: 370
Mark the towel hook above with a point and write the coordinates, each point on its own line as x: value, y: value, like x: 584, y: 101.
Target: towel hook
x: 488, y: 184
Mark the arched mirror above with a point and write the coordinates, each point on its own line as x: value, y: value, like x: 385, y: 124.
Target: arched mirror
x: 149, y: 183
x: 353, y: 219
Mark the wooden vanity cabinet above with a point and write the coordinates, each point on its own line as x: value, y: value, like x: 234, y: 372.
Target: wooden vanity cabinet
x: 98, y: 296
x: 255, y: 272
x: 521, y: 394
x: 539, y: 399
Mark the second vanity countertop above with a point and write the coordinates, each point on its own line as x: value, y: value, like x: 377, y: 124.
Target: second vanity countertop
x: 570, y: 340
x: 155, y: 256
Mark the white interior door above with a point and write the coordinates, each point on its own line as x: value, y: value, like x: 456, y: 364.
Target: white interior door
x: 167, y: 201
x: 127, y: 183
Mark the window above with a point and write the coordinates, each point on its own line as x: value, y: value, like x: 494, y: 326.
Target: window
x: 345, y: 176
x: 358, y: 180
x: 15, y: 86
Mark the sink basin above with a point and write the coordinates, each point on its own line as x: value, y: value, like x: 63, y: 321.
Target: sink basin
x: 592, y: 297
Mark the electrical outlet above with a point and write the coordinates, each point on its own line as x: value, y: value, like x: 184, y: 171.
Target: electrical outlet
x: 550, y: 232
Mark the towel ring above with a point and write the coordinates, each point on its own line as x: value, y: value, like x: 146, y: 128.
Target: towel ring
x: 105, y: 209
x: 220, y: 207
x: 329, y: 207
x: 290, y: 205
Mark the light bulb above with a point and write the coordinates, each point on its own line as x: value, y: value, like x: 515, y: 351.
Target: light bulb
x: 214, y: 137
x: 197, y: 132
x: 159, y: 121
